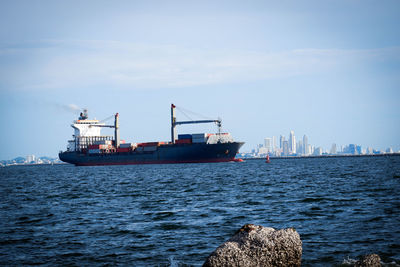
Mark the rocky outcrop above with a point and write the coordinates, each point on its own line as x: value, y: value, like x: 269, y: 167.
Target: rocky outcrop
x: 370, y: 260
x: 254, y: 245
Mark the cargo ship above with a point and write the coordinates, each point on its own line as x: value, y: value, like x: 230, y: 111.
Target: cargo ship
x: 89, y: 148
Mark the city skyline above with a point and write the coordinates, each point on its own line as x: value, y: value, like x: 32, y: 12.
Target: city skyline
x: 329, y: 69
x: 303, y: 148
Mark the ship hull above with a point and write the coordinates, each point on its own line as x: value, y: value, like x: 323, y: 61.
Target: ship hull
x: 166, y: 154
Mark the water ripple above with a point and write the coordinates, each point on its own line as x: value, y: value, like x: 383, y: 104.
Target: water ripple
x: 174, y: 215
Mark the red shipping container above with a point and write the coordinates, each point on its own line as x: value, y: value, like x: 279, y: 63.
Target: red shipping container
x: 94, y: 146
x: 125, y: 149
x: 148, y: 144
x: 183, y: 141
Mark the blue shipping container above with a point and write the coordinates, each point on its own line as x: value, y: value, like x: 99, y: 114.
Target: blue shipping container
x: 184, y: 136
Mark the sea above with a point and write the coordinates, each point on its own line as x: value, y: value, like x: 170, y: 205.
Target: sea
x: 177, y: 214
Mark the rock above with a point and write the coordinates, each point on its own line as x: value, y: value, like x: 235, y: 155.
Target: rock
x: 370, y: 260
x: 254, y: 245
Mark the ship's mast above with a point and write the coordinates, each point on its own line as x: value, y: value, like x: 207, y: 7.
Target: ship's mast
x: 174, y: 123
x: 116, y: 132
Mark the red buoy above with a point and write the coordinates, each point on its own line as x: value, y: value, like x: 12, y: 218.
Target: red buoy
x: 267, y: 161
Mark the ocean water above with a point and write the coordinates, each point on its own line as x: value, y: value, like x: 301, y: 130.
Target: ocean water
x: 176, y: 215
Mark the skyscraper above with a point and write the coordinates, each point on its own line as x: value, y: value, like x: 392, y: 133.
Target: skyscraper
x: 299, y: 147
x: 273, y: 144
x: 333, y: 149
x: 305, y: 145
x: 292, y: 142
x: 285, y: 148
x: 281, y: 140
x: 268, y: 144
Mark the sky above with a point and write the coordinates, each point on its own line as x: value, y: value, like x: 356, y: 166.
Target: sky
x: 327, y: 69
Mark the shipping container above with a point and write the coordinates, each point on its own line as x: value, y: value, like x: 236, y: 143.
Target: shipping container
x: 199, y: 135
x: 184, y: 136
x: 94, y: 146
x: 127, y: 145
x: 124, y: 149
x: 148, y: 144
x: 103, y: 142
x: 183, y: 141
x: 94, y: 151
x: 199, y: 138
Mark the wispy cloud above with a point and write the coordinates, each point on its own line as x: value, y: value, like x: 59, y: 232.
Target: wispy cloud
x: 77, y: 64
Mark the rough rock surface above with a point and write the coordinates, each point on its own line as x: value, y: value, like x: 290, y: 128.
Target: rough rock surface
x: 254, y: 245
x: 370, y: 260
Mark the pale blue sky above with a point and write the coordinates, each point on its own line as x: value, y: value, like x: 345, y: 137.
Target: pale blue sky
x: 328, y: 69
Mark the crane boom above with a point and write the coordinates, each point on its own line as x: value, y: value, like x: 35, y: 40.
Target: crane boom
x: 199, y: 121
x: 174, y: 123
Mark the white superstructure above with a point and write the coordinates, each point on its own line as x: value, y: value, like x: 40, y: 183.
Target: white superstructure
x: 84, y: 128
x: 86, y: 132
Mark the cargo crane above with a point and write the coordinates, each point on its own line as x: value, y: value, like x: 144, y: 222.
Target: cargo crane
x: 115, y: 126
x: 174, y: 123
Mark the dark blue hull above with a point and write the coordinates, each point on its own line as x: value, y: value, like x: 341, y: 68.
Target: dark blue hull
x: 176, y: 153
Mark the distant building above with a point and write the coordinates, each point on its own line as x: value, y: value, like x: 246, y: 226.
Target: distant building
x: 281, y: 140
x: 292, y: 143
x: 273, y: 144
x: 306, y: 150
x: 318, y: 151
x: 268, y: 144
x: 333, y: 150
x: 299, y: 147
x: 31, y: 159
x: 262, y: 151
x: 389, y: 150
x: 285, y: 149
x: 350, y: 149
x: 259, y: 147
